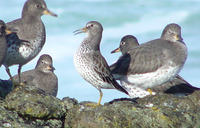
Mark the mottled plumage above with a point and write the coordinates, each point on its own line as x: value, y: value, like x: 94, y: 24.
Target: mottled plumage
x: 42, y: 76
x: 89, y: 62
x: 3, y: 44
x: 31, y: 32
x: 177, y: 86
x: 153, y: 63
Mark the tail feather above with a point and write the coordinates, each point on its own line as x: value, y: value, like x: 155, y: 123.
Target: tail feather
x: 118, y: 87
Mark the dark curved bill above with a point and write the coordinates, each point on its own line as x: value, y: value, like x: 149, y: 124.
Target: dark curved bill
x: 82, y: 30
x: 50, y: 67
x: 48, y: 12
x: 10, y: 30
x: 116, y: 50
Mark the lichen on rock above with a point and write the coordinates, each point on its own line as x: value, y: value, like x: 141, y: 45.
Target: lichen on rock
x: 161, y: 110
x: 29, y: 107
x: 33, y: 102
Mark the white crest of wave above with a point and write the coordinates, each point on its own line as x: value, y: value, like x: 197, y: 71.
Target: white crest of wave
x: 61, y: 46
x: 146, y: 24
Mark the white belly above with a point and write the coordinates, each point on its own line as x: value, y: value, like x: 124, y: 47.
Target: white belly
x: 22, y: 54
x: 151, y: 79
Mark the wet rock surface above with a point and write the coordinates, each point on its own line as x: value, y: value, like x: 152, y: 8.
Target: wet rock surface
x: 29, y: 107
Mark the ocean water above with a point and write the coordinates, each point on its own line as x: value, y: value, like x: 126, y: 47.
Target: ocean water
x: 144, y: 19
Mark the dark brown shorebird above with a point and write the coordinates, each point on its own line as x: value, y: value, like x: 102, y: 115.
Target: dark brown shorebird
x: 126, y: 44
x: 31, y: 32
x: 42, y: 76
x: 89, y: 62
x: 3, y: 31
x: 3, y: 44
x: 177, y: 86
x: 153, y: 63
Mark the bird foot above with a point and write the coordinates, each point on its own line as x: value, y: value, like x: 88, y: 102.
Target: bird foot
x: 151, y: 92
x: 22, y: 84
x: 15, y: 84
x: 93, y: 105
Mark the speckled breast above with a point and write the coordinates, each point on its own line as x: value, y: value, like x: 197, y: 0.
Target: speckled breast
x: 21, y: 53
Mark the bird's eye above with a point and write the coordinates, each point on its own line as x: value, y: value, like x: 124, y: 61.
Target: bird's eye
x: 37, y: 5
x: 123, y: 43
x: 89, y: 25
x: 169, y: 32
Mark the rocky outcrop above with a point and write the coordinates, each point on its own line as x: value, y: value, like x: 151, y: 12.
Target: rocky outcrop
x: 153, y: 111
x: 29, y: 107
x: 5, y: 87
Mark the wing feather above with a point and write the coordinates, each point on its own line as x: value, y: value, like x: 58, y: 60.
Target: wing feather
x: 142, y: 59
x: 103, y: 71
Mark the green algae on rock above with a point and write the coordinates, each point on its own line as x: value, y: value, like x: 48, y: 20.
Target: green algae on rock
x: 161, y: 110
x: 29, y: 107
x: 33, y: 102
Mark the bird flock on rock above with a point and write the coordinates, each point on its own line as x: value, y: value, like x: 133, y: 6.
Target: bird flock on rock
x: 142, y: 69
x: 25, y: 40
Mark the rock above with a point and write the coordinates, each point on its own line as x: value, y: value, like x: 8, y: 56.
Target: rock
x: 29, y: 107
x: 5, y: 87
x: 69, y: 102
x: 161, y: 110
x: 11, y: 119
x: 35, y: 103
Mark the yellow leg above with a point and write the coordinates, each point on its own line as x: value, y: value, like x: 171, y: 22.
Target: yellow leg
x: 150, y: 91
x: 99, y: 103
x: 19, y: 75
x: 8, y: 71
x: 101, y: 95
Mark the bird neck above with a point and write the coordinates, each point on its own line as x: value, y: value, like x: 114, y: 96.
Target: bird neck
x: 91, y: 43
x: 124, y: 51
x: 30, y: 18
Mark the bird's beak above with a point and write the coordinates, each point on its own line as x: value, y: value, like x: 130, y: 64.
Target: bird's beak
x: 82, y: 30
x: 179, y: 38
x: 48, y: 12
x: 50, y: 67
x: 116, y: 50
x: 9, y: 31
